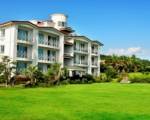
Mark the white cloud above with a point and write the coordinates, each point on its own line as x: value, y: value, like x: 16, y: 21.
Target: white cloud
x: 143, y: 53
x: 125, y: 51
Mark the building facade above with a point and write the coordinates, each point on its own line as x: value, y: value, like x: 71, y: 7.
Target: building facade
x: 43, y: 43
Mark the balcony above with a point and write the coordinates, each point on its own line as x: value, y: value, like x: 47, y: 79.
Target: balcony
x: 94, y: 50
x: 81, y: 50
x: 47, y: 44
x: 69, y: 41
x: 46, y: 59
x: 23, y: 56
x: 68, y: 55
x: 27, y: 42
x: 94, y: 64
x: 25, y: 36
x: 81, y: 63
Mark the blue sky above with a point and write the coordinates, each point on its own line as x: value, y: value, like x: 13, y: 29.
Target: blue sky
x: 122, y: 25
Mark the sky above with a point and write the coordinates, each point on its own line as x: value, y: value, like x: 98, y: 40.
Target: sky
x: 123, y: 26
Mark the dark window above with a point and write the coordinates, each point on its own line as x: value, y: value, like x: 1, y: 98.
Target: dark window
x: 2, y: 49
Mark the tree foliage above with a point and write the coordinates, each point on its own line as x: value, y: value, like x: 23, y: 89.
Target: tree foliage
x: 124, y: 64
x: 54, y: 73
x: 30, y: 72
x: 6, y: 69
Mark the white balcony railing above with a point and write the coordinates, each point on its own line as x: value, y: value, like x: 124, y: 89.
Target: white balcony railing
x: 81, y: 62
x: 94, y: 64
x: 94, y: 51
x: 68, y: 54
x: 85, y: 50
x: 21, y: 54
x: 49, y: 43
x: 28, y: 41
x: 47, y: 58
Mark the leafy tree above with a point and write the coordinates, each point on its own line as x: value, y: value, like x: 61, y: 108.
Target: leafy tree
x: 124, y: 63
x: 6, y: 68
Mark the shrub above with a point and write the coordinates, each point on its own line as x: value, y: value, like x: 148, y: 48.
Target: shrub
x: 97, y: 79
x: 105, y: 78
x: 39, y: 76
x: 85, y: 79
x: 88, y: 78
x: 122, y: 76
x: 139, y: 78
x: 65, y: 82
x: 2, y: 79
x: 110, y: 73
x: 101, y: 78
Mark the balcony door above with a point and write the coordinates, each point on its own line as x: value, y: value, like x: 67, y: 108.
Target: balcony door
x: 51, y: 55
x: 41, y: 38
x: 21, y: 51
x: 40, y: 53
x: 50, y: 40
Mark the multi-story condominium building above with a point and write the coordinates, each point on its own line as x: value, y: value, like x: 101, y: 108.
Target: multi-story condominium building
x: 42, y: 43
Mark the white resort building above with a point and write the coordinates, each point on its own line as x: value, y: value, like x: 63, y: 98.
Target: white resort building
x: 43, y: 43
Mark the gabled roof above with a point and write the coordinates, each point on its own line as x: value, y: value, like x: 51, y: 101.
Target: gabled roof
x: 94, y: 41
x: 16, y: 22
x: 9, y: 23
x: 76, y: 36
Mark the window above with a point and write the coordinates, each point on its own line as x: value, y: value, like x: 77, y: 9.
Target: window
x: 92, y: 48
x: 41, y: 38
x: 22, y: 34
x: 76, y: 60
x: 40, y: 67
x: 21, y: 66
x: 40, y: 54
x: 82, y: 47
x: 82, y: 58
x: 21, y: 51
x: 53, y: 41
x: 2, y: 49
x: 51, y: 55
x: 50, y: 41
x: 2, y: 32
x: 61, y: 24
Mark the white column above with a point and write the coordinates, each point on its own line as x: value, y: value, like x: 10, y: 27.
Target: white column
x: 61, y: 50
x: 89, y: 58
x: 35, y: 47
x: 14, y: 42
x: 98, y: 72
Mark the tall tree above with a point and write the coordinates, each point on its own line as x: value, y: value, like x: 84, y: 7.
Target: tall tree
x: 6, y: 67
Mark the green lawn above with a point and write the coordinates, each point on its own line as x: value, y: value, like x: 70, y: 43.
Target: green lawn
x: 77, y: 102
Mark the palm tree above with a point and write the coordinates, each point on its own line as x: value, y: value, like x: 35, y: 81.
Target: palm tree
x: 30, y: 73
x: 54, y: 73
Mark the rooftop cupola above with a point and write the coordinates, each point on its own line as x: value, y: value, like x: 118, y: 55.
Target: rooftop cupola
x: 60, y: 20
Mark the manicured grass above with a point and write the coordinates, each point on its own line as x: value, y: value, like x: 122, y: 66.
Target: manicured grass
x: 77, y: 102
